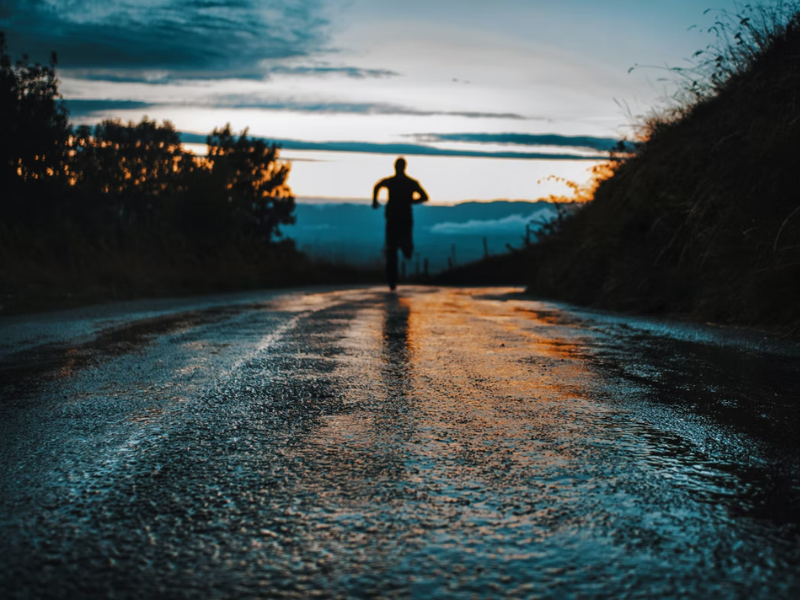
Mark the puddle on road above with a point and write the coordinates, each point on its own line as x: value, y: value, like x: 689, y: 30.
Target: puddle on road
x: 498, y: 446
x: 451, y: 443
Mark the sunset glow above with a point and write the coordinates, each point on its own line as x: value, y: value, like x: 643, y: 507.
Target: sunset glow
x: 517, y: 77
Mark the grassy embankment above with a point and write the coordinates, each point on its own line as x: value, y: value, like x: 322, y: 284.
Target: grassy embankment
x: 59, y: 263
x: 704, y: 219
x: 62, y: 269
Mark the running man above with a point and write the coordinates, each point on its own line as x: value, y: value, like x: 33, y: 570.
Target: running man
x: 399, y: 221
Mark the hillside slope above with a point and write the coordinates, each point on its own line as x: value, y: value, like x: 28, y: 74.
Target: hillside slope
x: 354, y: 233
x: 705, y: 218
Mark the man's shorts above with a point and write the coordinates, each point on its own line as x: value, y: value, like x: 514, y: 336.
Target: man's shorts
x: 399, y: 235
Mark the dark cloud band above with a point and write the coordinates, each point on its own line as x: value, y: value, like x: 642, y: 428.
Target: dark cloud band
x: 317, y: 71
x: 164, y: 78
x: 96, y: 108
x: 404, y: 149
x: 87, y: 107
x: 362, y: 108
x: 521, y: 139
x: 180, y: 38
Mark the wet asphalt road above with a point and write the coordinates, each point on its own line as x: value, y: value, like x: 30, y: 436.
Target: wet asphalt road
x: 434, y: 443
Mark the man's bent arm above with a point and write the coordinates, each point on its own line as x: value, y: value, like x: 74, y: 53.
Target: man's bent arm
x: 423, y: 195
x: 376, y: 190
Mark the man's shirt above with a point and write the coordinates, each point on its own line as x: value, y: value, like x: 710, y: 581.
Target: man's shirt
x: 401, y: 190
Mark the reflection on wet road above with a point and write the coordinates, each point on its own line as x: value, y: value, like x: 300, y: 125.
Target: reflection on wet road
x: 433, y: 443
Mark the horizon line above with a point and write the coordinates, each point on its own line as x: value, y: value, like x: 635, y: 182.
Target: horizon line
x: 340, y: 200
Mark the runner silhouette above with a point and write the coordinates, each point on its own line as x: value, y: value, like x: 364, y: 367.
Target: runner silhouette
x: 399, y: 221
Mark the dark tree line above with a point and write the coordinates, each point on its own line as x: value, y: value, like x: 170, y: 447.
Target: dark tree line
x: 126, y: 180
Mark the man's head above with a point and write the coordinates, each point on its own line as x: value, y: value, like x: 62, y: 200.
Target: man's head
x: 400, y: 166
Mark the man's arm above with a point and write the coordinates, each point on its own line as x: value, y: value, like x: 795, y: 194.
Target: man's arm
x: 376, y: 190
x: 423, y: 195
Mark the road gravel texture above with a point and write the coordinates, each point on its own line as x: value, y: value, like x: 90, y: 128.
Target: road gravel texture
x: 434, y: 443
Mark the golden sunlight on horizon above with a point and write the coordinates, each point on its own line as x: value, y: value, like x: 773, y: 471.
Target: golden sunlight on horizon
x: 448, y: 179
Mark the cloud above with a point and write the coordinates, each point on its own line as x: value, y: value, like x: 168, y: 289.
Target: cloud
x: 506, y: 225
x: 521, y: 139
x: 177, y: 38
x: 421, y: 150
x: 84, y: 108
x: 364, y: 108
x: 148, y: 77
x: 404, y: 149
x: 99, y: 107
x: 322, y: 107
x: 322, y: 70
x: 265, y: 72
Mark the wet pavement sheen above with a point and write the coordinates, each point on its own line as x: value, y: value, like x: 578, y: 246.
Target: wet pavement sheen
x: 431, y: 443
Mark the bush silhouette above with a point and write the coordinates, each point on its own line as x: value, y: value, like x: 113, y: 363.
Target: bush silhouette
x: 134, y: 174
x: 125, y: 209
x: 34, y: 129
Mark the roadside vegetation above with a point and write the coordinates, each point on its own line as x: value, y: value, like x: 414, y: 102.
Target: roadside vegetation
x: 703, y: 219
x: 121, y: 209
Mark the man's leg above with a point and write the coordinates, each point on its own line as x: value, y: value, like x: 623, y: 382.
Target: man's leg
x: 407, y: 247
x: 406, y: 241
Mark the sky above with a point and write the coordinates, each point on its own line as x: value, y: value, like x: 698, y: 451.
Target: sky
x: 487, y: 100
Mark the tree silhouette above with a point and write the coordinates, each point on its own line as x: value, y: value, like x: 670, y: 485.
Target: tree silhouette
x: 255, y: 180
x: 34, y: 127
x: 125, y: 204
x: 123, y: 176
x: 138, y: 168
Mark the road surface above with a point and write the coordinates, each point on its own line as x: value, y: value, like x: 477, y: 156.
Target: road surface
x: 432, y: 443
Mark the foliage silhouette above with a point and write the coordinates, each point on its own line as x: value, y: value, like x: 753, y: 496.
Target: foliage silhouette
x: 34, y: 128
x: 254, y: 179
x: 124, y: 208
x: 704, y: 218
